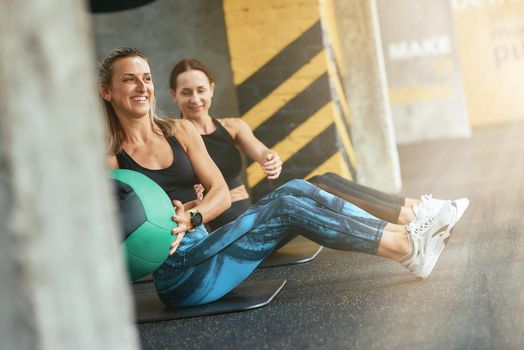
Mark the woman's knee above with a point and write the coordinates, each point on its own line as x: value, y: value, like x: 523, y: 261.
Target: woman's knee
x: 315, y: 179
x: 297, y: 186
x: 323, y: 178
x: 288, y: 203
x: 330, y: 176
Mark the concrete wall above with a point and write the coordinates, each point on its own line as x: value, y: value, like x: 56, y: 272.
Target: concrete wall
x: 168, y: 31
x: 425, y: 84
x: 366, y: 89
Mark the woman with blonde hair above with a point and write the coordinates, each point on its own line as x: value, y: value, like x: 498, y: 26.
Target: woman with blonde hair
x: 203, y: 266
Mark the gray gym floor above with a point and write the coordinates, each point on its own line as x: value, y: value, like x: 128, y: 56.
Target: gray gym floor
x: 474, y: 298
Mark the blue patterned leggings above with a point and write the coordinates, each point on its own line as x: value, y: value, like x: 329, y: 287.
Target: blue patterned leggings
x: 206, y: 266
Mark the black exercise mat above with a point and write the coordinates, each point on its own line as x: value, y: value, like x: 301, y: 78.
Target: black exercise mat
x: 148, y: 278
x: 248, y: 295
x: 297, y: 251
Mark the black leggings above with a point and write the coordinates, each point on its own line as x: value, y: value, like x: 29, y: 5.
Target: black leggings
x: 382, y: 205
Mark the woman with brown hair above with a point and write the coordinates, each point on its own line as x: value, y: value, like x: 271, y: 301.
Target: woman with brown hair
x: 192, y: 88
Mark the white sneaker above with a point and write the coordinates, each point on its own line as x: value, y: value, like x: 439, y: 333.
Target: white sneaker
x: 427, y: 240
x: 430, y: 207
x: 461, y: 204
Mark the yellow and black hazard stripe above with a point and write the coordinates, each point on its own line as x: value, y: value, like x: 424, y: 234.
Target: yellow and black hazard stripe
x: 295, y: 103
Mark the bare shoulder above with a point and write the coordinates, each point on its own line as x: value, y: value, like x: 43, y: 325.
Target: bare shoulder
x: 185, y: 132
x: 235, y: 126
x: 232, y: 122
x: 183, y: 125
x: 112, y: 162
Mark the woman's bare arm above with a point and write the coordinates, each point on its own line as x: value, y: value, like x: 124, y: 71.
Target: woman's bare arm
x: 217, y: 198
x: 253, y: 147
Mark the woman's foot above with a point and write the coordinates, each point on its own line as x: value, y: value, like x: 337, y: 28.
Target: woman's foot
x: 406, y: 216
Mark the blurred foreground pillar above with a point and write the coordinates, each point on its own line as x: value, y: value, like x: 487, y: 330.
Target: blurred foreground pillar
x: 62, y: 283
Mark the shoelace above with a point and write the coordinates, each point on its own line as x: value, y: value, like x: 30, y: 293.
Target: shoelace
x: 427, y: 200
x: 428, y: 206
x: 422, y: 227
x: 427, y: 197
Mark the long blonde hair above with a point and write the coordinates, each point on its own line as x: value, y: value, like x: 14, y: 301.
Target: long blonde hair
x: 115, y: 132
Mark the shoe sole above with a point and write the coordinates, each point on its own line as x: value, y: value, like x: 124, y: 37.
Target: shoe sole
x: 443, y: 237
x: 460, y: 206
x: 436, y: 245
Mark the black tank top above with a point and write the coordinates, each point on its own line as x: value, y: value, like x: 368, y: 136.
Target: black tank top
x: 177, y: 179
x: 224, y: 153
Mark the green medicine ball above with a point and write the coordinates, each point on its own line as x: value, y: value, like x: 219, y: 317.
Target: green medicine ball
x: 146, y: 217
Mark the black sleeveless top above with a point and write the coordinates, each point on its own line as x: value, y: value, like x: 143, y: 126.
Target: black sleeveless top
x: 177, y: 179
x: 224, y: 153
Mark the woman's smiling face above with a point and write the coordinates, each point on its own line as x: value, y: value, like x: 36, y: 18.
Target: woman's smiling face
x: 131, y: 91
x: 193, y: 94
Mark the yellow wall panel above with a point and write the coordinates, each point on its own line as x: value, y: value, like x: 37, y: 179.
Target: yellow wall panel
x: 259, y: 30
x: 334, y: 164
x: 285, y: 67
x: 327, y: 13
x: 286, y: 91
x: 308, y: 130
